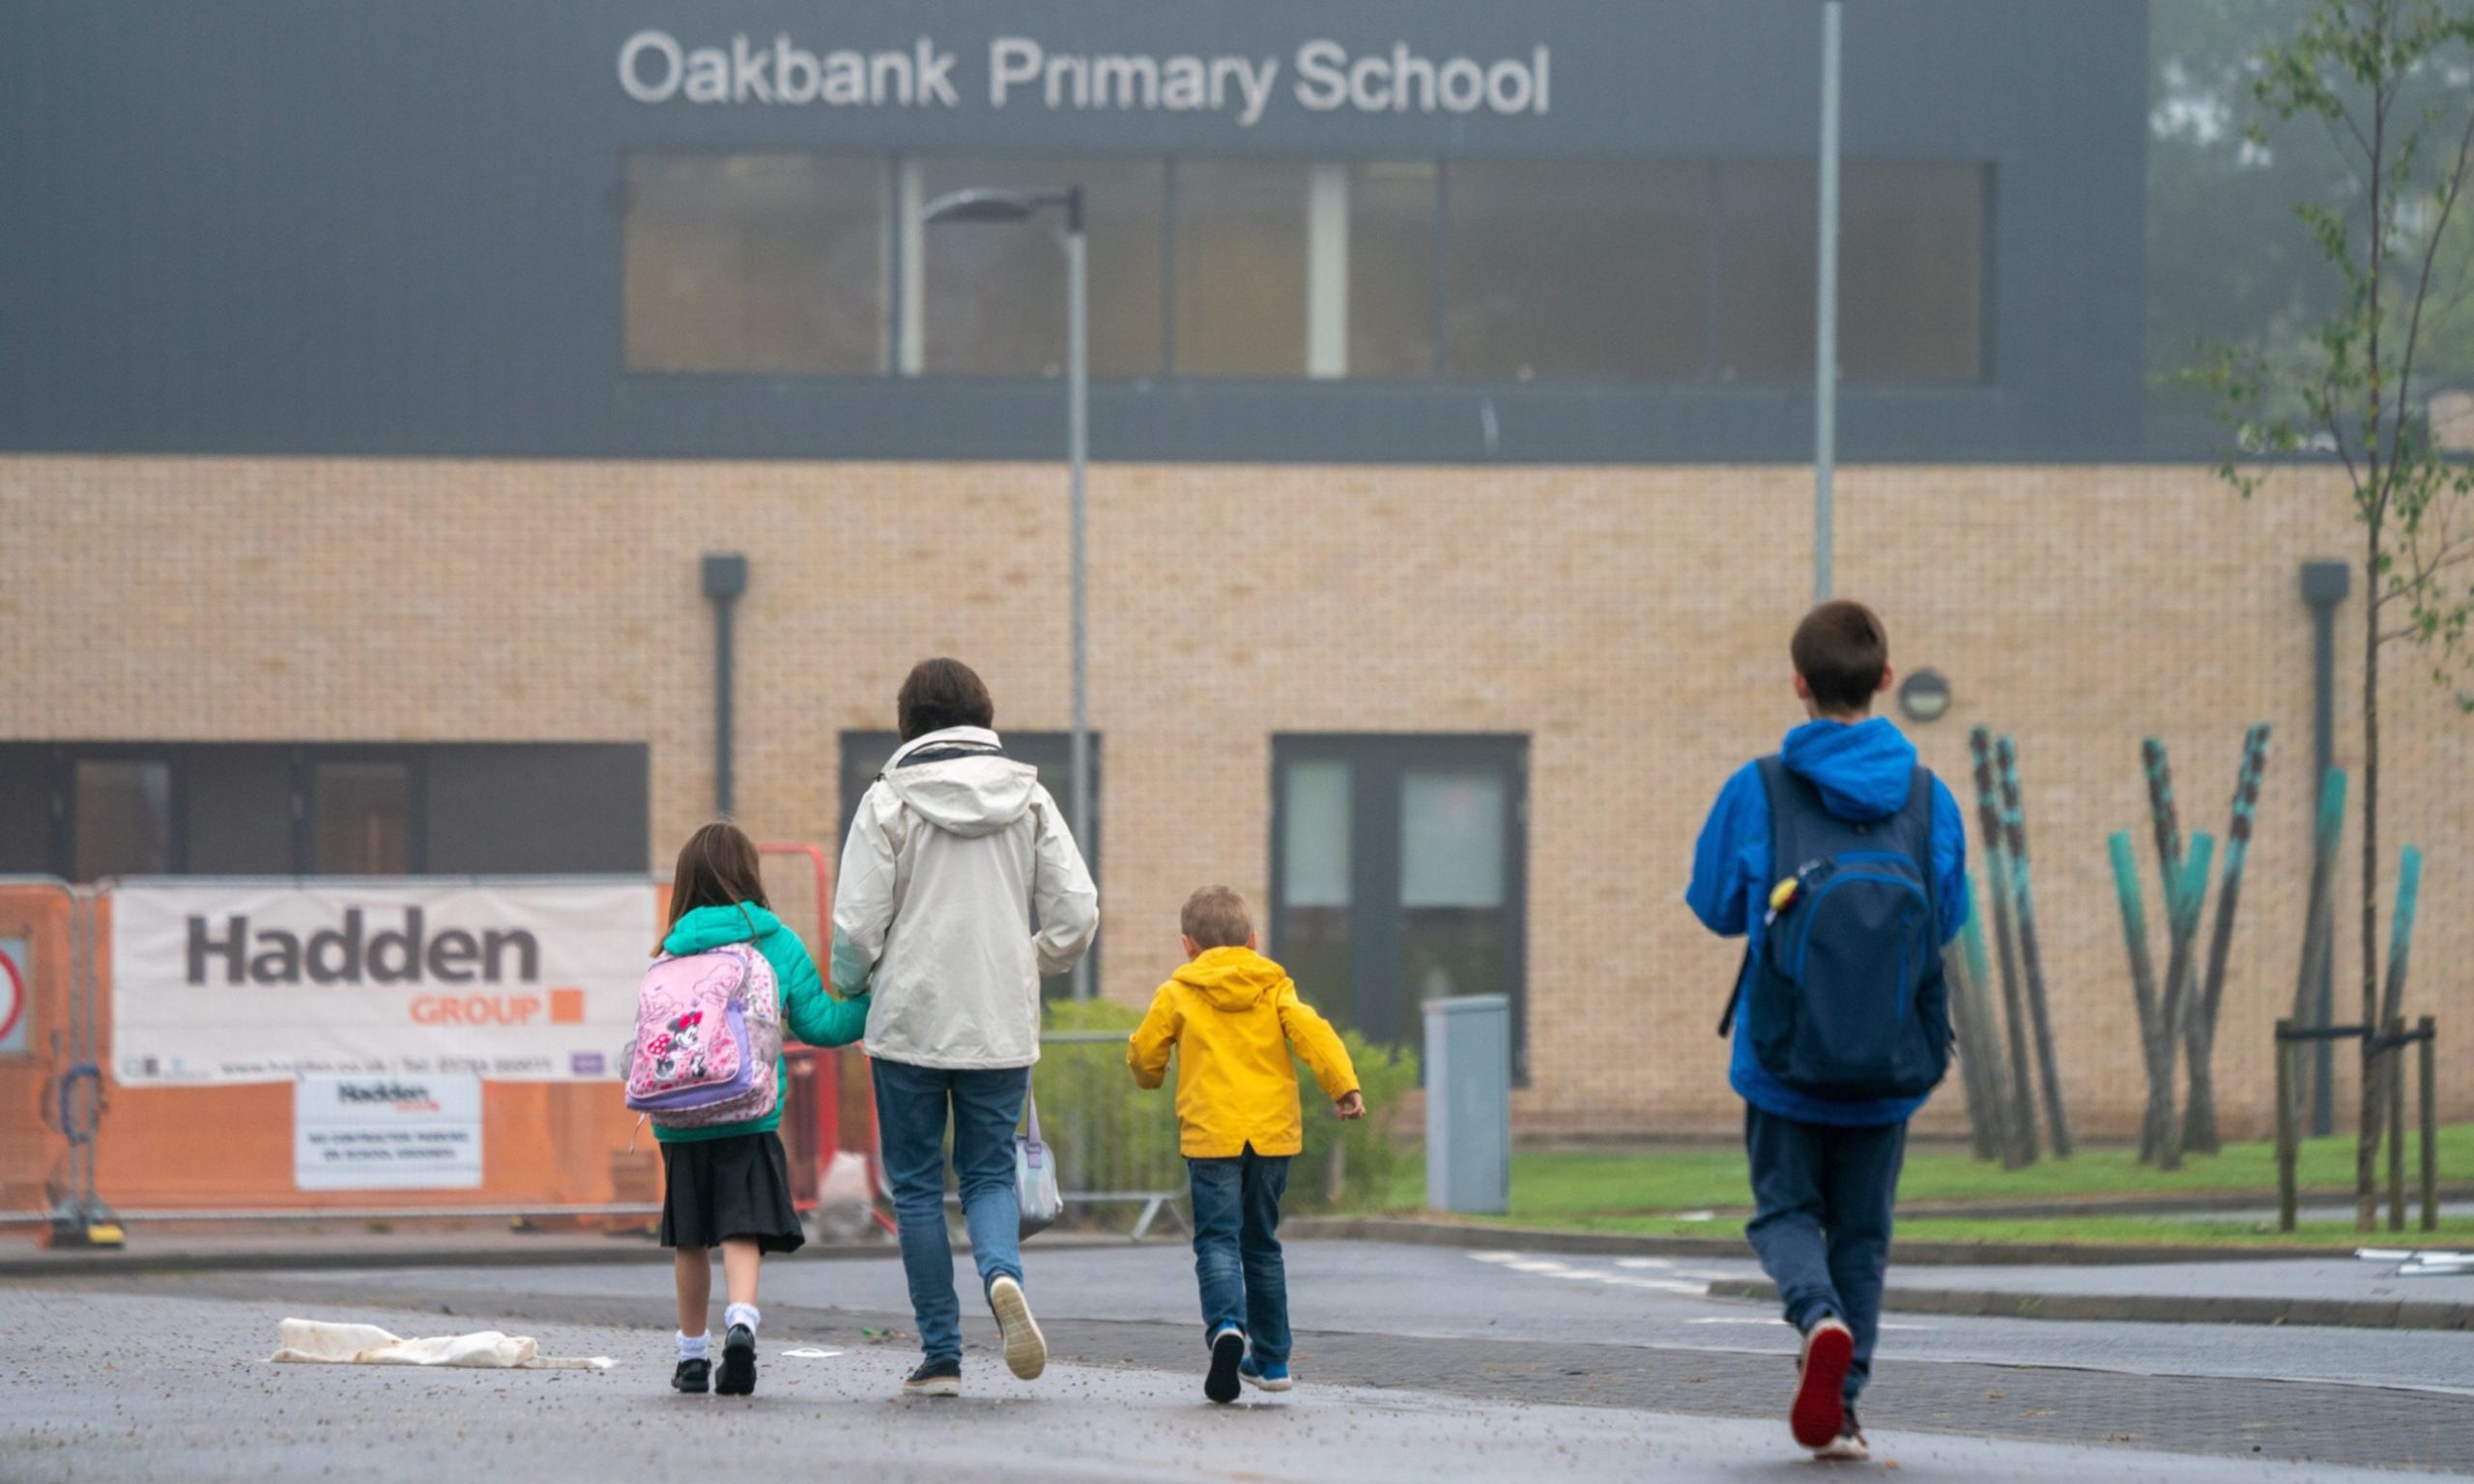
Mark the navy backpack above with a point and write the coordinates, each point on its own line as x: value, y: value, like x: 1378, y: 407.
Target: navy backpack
x: 1845, y: 1001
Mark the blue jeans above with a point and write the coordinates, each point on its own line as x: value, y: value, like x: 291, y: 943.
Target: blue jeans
x: 911, y: 1107
x: 1820, y: 1224
x: 1237, y: 1258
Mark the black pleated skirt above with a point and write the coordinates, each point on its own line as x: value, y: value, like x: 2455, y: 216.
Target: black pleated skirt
x: 720, y: 1188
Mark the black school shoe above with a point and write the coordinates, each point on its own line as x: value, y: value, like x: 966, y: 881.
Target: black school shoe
x: 1228, y: 1348
x: 692, y: 1376
x: 738, y: 1363
x: 935, y: 1377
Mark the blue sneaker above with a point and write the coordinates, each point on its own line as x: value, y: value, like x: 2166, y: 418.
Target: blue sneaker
x: 1228, y: 1348
x: 1272, y: 1376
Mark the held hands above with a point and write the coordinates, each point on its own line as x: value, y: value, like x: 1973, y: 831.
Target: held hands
x: 1350, y: 1106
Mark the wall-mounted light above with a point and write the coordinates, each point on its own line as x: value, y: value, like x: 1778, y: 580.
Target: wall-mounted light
x: 1924, y: 696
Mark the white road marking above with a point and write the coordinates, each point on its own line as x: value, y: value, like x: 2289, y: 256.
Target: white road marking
x: 1643, y: 1262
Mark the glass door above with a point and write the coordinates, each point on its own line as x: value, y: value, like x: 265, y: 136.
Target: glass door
x: 1397, y: 875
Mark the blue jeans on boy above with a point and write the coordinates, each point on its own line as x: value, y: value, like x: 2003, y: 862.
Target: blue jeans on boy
x: 1237, y: 1258
x: 912, y: 1103
x: 1821, y: 1223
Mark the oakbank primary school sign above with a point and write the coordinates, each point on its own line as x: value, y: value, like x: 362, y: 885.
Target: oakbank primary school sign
x: 1016, y: 72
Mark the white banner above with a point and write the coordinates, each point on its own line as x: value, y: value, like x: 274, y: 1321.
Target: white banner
x: 245, y: 981
x: 386, y: 1133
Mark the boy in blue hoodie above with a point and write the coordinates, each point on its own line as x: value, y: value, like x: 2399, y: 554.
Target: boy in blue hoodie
x: 1844, y: 863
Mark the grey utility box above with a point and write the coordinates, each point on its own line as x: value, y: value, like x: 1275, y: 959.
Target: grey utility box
x: 1469, y: 1105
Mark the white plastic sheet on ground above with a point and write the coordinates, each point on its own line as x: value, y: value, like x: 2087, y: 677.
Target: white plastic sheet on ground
x: 322, y: 1342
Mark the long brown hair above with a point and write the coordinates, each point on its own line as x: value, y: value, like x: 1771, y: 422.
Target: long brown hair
x: 717, y: 868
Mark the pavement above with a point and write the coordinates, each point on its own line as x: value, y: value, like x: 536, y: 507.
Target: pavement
x: 2307, y: 1291
x: 1414, y: 1363
x: 197, y: 1406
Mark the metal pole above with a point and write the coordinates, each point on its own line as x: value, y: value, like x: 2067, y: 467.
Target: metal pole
x: 2286, y: 1131
x: 1078, y: 395
x: 2324, y: 586
x: 1826, y: 313
x: 725, y: 584
x: 2423, y: 1055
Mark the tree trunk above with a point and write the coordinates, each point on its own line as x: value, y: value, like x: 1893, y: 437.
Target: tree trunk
x: 2367, y: 1134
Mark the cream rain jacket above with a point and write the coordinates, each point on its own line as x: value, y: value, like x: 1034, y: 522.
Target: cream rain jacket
x: 954, y: 850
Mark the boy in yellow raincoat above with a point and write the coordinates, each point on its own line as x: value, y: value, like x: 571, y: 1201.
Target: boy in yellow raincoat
x: 1232, y: 1016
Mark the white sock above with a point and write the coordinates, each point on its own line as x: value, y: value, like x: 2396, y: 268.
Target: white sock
x: 742, y: 1314
x: 691, y: 1347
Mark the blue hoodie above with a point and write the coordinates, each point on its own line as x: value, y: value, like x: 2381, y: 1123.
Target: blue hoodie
x: 1862, y: 770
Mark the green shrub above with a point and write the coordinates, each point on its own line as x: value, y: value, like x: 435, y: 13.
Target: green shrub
x: 1112, y: 1135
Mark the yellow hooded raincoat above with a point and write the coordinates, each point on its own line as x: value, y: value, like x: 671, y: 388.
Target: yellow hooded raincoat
x: 1231, y: 1016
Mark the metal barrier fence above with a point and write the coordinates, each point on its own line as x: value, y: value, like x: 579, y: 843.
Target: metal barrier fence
x: 51, y: 1086
x: 81, y: 1135
x: 1116, y: 1144
x: 90, y: 1121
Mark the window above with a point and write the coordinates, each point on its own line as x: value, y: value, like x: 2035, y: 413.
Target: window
x: 1241, y: 260
x: 1397, y: 874
x: 89, y: 810
x: 1482, y: 270
x: 865, y: 754
x: 989, y: 300
x: 361, y: 819
x: 1576, y: 269
x: 1392, y: 235
x: 1911, y: 270
x: 124, y: 818
x: 1768, y: 217
x: 756, y: 263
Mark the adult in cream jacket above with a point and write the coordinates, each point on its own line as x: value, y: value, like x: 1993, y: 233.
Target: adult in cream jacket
x: 954, y: 853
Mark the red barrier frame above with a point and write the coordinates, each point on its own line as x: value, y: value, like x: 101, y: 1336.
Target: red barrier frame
x: 828, y: 1063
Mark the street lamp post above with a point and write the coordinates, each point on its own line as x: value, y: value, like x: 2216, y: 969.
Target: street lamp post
x: 986, y: 205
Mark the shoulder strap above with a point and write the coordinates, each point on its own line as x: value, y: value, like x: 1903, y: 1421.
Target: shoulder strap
x: 1774, y: 770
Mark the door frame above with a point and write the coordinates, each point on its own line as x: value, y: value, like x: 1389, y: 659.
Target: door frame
x: 1374, y: 856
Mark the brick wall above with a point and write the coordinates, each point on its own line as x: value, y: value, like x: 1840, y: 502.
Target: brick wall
x: 1631, y: 620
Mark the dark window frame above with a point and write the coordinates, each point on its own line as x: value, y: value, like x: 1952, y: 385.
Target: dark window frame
x: 1706, y: 379
x: 65, y: 758
x: 1375, y: 867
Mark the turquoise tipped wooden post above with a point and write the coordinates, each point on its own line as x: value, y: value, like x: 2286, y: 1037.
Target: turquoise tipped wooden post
x: 2032, y: 960
x: 2318, y: 924
x: 2021, y: 1118
x: 2142, y: 987
x: 2198, y: 1118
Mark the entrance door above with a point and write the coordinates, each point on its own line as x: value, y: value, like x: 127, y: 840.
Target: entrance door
x: 1399, y: 867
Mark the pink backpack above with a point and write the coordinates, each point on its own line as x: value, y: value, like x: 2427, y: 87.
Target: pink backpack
x: 708, y: 1035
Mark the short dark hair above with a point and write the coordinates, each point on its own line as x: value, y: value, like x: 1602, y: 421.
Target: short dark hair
x: 1841, y: 650
x: 941, y: 694
x: 1216, y: 917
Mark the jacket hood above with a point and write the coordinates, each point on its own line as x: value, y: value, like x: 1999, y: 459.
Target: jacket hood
x: 1863, y: 770
x: 1233, y: 978
x: 709, y: 927
x: 967, y: 796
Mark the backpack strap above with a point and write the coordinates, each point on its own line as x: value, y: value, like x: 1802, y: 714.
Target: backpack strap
x: 1774, y: 770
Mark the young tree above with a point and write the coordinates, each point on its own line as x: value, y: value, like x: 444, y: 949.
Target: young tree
x: 2391, y: 82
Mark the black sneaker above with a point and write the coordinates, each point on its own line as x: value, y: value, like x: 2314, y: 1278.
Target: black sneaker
x: 738, y: 1363
x: 692, y: 1376
x: 1227, y: 1349
x: 935, y: 1377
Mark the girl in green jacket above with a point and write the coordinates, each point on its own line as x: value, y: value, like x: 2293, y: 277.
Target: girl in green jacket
x: 729, y: 1186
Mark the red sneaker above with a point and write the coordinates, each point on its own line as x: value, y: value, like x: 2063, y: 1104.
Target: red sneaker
x: 1819, y: 1409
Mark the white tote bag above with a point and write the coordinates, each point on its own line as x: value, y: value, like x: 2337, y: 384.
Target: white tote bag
x: 1035, y: 1174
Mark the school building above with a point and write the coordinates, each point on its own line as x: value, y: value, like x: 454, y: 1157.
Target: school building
x: 376, y: 380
